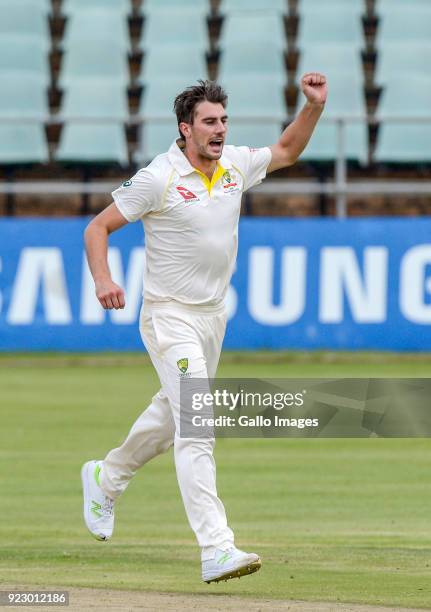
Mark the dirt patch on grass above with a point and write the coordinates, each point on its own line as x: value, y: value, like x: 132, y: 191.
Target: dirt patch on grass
x: 83, y: 600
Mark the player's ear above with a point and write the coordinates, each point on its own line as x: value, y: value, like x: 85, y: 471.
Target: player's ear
x: 185, y: 129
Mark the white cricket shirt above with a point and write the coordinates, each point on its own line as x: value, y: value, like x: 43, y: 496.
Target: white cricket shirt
x: 190, y: 222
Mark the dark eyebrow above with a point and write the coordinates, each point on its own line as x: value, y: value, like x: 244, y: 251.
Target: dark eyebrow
x: 212, y: 118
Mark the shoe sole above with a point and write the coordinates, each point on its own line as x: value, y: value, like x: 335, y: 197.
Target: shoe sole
x: 250, y: 568
x: 84, y: 478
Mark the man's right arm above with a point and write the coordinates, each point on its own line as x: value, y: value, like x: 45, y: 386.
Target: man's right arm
x: 109, y: 294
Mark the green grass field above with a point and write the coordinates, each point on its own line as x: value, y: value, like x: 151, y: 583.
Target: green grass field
x: 337, y: 520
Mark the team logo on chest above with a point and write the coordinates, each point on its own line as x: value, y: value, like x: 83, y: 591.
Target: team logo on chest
x: 188, y: 195
x: 229, y: 182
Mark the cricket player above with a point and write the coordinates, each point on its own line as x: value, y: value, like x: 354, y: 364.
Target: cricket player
x: 189, y: 201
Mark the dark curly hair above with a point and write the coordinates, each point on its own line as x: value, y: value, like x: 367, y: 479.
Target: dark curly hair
x: 185, y: 103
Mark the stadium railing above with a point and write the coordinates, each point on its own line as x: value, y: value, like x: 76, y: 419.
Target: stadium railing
x: 340, y: 187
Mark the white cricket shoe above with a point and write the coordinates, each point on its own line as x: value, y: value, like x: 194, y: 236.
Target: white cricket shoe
x: 98, y: 508
x: 227, y: 564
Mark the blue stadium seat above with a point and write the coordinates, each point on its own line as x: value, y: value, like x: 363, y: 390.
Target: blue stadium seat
x: 403, y: 143
x: 23, y: 97
x: 155, y: 5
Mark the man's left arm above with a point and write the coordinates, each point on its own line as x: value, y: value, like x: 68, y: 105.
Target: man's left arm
x: 295, y: 137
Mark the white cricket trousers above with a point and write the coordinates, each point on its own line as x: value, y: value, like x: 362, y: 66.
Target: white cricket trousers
x: 172, y: 333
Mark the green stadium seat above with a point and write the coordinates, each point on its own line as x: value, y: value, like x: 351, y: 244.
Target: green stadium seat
x: 404, y: 25
x: 185, y: 27
x: 253, y: 134
x: 382, y: 7
x: 25, y: 54
x: 23, y: 144
x: 227, y: 7
x: 255, y: 57
x: 409, y: 95
x: 100, y: 59
x: 342, y: 101
x: 24, y: 18
x: 403, y: 143
x: 353, y: 7
x: 252, y: 27
x: 258, y: 96
x: 323, y: 145
x: 326, y: 26
x: 86, y: 27
x: 395, y: 59
x: 331, y: 60
x: 23, y: 97
x: 173, y: 61
x: 156, y: 138
x: 158, y: 98
x: 101, y: 98
x: 93, y: 143
x: 155, y: 5
x: 72, y: 7
x: 189, y: 10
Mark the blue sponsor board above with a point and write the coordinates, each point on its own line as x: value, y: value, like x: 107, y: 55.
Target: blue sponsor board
x: 299, y: 284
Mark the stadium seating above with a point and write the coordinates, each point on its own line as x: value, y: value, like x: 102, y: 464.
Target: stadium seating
x: 28, y: 18
x: 97, y: 98
x: 155, y: 137
x: 23, y: 54
x: 326, y: 26
x: 382, y: 7
x: 23, y: 143
x: 331, y: 60
x: 72, y: 7
x: 185, y: 27
x: 173, y: 61
x: 258, y: 28
x: 404, y: 25
x: 408, y: 96
x: 398, y: 59
x: 93, y: 143
x: 111, y: 26
x: 260, y: 57
x: 25, y: 99
x: 231, y: 6
x: 150, y: 5
x: 342, y: 101
x: 93, y: 60
x: 259, y: 96
x: 354, y: 7
x: 253, y: 134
